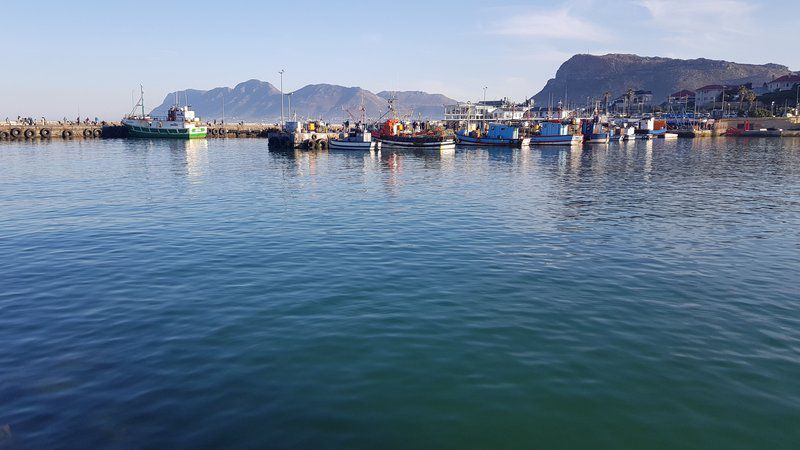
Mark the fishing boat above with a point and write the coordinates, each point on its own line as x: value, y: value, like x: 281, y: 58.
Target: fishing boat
x: 555, y: 133
x: 180, y: 123
x: 594, y: 132
x: 392, y: 133
x: 654, y: 129
x: 355, y: 139
x: 628, y: 133
x: 498, y: 135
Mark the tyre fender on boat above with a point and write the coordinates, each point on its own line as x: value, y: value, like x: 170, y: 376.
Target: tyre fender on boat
x: 87, y: 133
x: 323, y: 144
x: 15, y: 132
x: 4, y: 135
x: 29, y: 133
x: 44, y: 132
x: 97, y: 133
x: 66, y: 134
x: 222, y: 132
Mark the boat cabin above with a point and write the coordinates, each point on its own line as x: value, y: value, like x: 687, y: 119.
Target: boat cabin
x: 554, y: 129
x: 180, y: 114
x: 500, y: 131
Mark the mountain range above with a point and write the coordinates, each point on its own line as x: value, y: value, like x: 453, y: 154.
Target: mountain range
x: 585, y: 76
x: 260, y: 101
x: 579, y: 78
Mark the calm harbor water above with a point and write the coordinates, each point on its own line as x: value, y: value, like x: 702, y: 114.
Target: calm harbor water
x: 209, y: 294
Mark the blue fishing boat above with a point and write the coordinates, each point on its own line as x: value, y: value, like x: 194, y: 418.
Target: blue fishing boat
x: 555, y: 133
x: 498, y: 135
x: 594, y: 132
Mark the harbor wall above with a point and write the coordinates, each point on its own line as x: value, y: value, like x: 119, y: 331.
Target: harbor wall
x: 15, y: 131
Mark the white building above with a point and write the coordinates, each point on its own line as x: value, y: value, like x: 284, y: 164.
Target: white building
x: 499, y: 110
x: 507, y: 113
x: 707, y: 95
x: 784, y: 83
x: 462, y: 112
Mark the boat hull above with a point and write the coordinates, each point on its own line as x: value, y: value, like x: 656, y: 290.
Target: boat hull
x: 569, y: 139
x: 446, y: 144
x: 596, y: 138
x: 165, y: 133
x: 334, y: 144
x: 492, y: 142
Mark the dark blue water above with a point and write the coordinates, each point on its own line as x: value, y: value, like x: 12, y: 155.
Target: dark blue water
x: 210, y: 294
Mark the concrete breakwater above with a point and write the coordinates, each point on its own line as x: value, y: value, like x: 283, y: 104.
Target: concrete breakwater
x: 16, y: 131
x: 48, y: 131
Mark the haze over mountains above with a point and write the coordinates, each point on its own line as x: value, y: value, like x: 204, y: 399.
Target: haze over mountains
x: 585, y: 76
x: 258, y: 101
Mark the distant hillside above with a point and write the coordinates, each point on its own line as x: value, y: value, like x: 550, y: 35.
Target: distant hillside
x: 590, y: 76
x: 256, y: 100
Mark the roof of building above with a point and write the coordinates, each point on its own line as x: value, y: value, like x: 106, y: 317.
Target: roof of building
x: 642, y: 92
x: 683, y: 93
x: 787, y: 79
x: 710, y: 87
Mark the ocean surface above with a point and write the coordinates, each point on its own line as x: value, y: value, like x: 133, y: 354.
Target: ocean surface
x: 161, y: 294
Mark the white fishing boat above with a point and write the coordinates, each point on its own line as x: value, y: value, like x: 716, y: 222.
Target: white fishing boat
x: 180, y: 123
x: 355, y: 139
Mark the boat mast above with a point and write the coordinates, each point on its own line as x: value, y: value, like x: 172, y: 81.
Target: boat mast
x: 141, y: 99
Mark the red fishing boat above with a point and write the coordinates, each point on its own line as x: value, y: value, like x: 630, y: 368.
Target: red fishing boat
x: 393, y: 133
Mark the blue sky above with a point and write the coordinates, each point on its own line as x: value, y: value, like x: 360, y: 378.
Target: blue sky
x: 61, y: 56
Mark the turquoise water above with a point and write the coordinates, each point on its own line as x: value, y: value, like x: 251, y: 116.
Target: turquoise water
x: 210, y: 294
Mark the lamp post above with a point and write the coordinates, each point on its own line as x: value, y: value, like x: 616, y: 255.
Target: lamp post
x: 772, y: 110
x: 484, y: 94
x: 797, y: 100
x: 281, y: 73
x: 290, y: 104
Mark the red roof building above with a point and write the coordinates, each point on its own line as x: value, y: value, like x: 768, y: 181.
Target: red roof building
x: 683, y: 95
x: 784, y: 83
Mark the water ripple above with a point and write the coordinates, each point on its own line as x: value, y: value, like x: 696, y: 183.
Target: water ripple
x: 208, y: 294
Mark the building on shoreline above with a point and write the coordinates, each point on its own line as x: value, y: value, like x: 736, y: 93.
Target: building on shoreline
x: 485, y: 111
x: 709, y: 94
x: 784, y: 83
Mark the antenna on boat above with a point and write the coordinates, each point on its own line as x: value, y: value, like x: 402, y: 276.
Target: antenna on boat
x: 141, y: 99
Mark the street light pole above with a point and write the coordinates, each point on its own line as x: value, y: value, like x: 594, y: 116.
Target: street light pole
x: 797, y: 100
x: 281, y: 73
x: 484, y: 93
